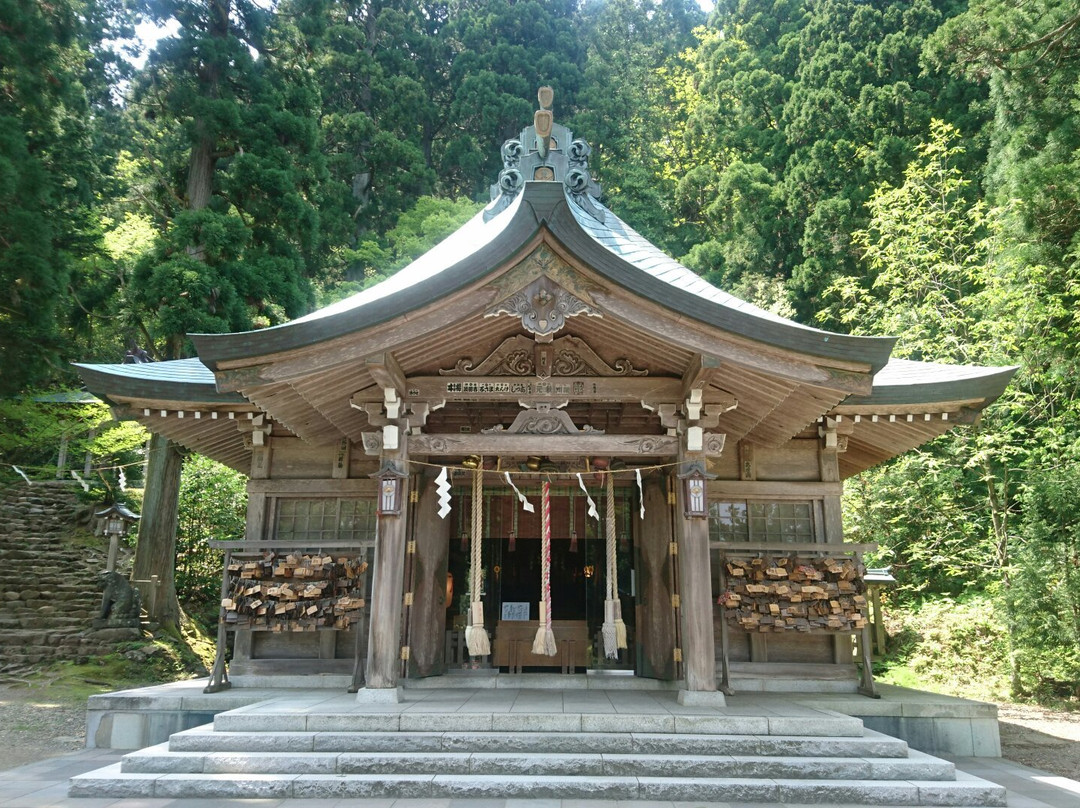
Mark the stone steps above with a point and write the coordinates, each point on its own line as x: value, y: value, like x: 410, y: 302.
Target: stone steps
x: 159, y: 759
x: 869, y: 744
x: 405, y: 755
x: 245, y: 720
x: 48, y: 586
x: 964, y: 791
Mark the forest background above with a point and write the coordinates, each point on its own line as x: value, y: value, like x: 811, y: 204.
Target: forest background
x: 909, y: 167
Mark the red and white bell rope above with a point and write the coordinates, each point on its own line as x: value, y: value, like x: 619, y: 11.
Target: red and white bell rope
x: 544, y: 643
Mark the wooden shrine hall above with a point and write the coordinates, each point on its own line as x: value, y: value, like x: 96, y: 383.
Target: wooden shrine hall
x: 544, y: 445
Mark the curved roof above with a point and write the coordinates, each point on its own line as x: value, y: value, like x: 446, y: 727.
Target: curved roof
x: 611, y: 248
x: 905, y: 381
x: 186, y: 380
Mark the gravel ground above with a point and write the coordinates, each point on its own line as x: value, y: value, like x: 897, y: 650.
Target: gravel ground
x: 1041, y: 738
x: 34, y: 728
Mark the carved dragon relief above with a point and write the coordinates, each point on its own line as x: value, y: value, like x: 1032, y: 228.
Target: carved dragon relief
x: 565, y: 356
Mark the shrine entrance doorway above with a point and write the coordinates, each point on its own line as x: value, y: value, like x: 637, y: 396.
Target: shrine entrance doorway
x: 511, y: 561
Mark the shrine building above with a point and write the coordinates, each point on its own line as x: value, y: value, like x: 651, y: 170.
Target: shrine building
x: 546, y: 446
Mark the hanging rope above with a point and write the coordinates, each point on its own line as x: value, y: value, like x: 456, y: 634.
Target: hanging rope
x: 544, y: 643
x: 476, y: 636
x: 614, y: 629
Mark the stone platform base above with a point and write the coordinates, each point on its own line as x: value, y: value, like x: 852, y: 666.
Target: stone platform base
x: 932, y: 723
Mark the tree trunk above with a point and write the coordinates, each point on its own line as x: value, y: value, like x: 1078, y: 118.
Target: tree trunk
x: 155, y: 553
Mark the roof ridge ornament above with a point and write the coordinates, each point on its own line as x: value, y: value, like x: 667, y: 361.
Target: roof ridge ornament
x: 546, y: 152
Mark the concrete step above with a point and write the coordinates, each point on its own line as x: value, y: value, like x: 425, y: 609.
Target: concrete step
x: 112, y: 782
x: 821, y: 724
x: 869, y: 745
x: 158, y: 759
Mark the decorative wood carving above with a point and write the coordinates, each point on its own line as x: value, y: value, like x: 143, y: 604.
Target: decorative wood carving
x: 543, y: 307
x: 542, y: 420
x: 565, y: 356
x: 373, y: 442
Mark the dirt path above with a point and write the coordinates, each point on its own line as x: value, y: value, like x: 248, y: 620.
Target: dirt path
x: 34, y: 727
x: 1041, y: 738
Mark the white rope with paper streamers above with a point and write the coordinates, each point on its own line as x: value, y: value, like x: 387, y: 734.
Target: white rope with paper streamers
x: 544, y: 642
x: 525, y: 504
x: 640, y: 491
x: 476, y: 636
x: 595, y: 514
x: 442, y: 486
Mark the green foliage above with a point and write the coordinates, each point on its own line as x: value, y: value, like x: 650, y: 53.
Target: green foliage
x: 54, y: 109
x: 804, y: 108
x: 955, y: 646
x: 32, y: 431
x: 213, y: 505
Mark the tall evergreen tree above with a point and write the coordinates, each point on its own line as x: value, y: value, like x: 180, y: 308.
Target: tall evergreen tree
x: 55, y: 67
x: 807, y: 107
x: 229, y: 127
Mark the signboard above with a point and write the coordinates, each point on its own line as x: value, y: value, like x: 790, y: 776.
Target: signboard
x: 515, y: 610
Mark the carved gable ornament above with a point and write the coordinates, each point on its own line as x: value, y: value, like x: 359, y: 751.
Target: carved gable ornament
x: 565, y: 356
x: 543, y: 291
x: 542, y: 419
x: 543, y: 307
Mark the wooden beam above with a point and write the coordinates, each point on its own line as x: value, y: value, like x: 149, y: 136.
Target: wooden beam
x: 548, y: 445
x: 496, y: 388
x: 700, y: 372
x: 386, y: 372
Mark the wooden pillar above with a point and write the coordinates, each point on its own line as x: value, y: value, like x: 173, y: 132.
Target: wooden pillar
x: 695, y: 584
x: 656, y: 625
x: 427, y: 617
x: 387, y: 590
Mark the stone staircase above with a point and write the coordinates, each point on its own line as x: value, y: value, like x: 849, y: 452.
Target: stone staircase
x: 276, y: 751
x: 48, y: 586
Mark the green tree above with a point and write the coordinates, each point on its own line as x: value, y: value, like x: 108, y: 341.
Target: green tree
x: 55, y: 111
x: 805, y: 108
x: 228, y: 129
x: 212, y: 506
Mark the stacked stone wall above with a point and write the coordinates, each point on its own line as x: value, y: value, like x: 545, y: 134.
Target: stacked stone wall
x: 48, y: 584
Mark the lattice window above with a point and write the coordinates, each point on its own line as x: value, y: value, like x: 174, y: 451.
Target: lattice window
x: 326, y: 519
x: 751, y: 520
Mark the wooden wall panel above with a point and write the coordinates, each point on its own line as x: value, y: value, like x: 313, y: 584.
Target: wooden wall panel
x: 293, y: 459
x: 797, y: 460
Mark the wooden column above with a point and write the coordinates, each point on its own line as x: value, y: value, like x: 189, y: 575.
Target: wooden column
x: 387, y: 585
x: 427, y: 617
x: 695, y: 584
x: 656, y: 624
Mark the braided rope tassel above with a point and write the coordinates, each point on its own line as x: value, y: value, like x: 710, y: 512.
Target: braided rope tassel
x: 476, y: 636
x: 608, y: 631
x: 544, y: 643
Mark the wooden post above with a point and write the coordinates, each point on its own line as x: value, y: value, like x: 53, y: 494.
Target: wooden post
x: 88, y: 461
x: 879, y: 622
x: 695, y: 579
x: 61, y: 460
x: 427, y: 625
x: 387, y: 591
x: 219, y: 673
x: 656, y: 628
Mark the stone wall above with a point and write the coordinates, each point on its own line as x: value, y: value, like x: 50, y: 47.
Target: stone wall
x: 48, y: 585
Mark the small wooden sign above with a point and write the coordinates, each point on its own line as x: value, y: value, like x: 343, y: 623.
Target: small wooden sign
x: 515, y: 610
